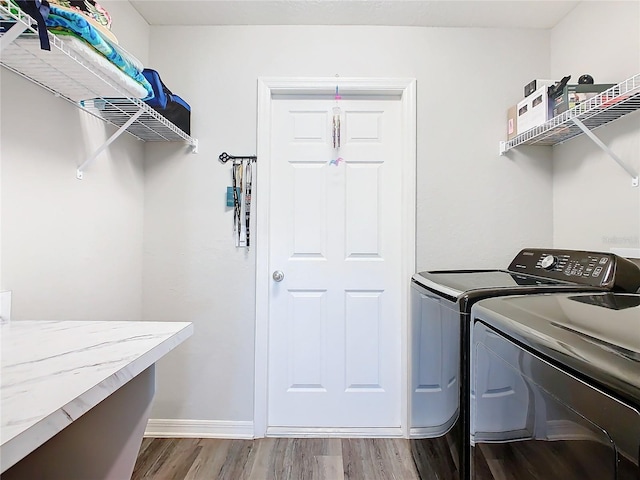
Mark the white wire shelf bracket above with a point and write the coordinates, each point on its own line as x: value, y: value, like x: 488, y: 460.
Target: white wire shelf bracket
x: 21, y: 25
x: 68, y: 75
x: 632, y: 173
x: 604, y: 108
x: 85, y: 164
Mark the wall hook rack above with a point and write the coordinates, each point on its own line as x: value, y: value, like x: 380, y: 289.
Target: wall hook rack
x: 241, y: 194
x: 225, y: 157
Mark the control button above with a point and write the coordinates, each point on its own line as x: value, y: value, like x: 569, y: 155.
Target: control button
x: 603, y: 260
x: 597, y: 271
x: 547, y: 262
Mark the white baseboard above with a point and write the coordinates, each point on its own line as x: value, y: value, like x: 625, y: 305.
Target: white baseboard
x: 179, y: 428
x: 369, y: 432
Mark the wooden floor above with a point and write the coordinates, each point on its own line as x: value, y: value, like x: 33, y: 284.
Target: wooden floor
x: 557, y: 460
x: 275, y: 459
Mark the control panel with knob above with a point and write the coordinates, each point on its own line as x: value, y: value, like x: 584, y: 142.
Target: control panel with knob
x: 597, y: 269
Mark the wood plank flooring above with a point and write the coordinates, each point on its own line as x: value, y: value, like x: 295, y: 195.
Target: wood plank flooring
x: 549, y: 460
x: 275, y: 459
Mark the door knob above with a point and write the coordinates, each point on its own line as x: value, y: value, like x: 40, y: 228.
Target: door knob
x: 278, y: 276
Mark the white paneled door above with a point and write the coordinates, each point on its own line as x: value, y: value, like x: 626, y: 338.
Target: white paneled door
x: 334, y: 335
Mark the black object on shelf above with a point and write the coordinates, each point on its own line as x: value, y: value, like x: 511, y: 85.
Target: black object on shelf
x: 586, y: 79
x: 556, y: 89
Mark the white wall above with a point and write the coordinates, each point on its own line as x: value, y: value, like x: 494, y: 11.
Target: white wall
x: 129, y: 27
x: 595, y: 206
x: 70, y: 249
x: 475, y: 208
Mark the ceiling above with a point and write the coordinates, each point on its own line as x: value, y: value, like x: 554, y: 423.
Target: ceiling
x: 542, y: 14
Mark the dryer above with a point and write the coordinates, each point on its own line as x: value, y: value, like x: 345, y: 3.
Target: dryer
x: 556, y: 387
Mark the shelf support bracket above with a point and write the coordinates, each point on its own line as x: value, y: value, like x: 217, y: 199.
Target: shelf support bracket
x: 10, y: 35
x: 120, y: 131
x: 608, y: 151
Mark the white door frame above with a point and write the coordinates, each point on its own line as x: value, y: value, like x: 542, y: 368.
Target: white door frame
x: 267, y: 88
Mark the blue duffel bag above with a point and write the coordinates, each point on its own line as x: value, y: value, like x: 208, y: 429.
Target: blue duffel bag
x: 171, y: 106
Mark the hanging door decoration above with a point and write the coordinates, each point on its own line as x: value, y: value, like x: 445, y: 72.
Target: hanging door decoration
x: 337, y: 112
x: 336, y: 130
x: 240, y: 196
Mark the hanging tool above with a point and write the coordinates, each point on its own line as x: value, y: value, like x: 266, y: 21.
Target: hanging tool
x: 247, y: 201
x: 237, y: 183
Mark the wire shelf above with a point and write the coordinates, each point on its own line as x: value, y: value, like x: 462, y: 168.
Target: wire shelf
x: 71, y: 76
x: 595, y: 112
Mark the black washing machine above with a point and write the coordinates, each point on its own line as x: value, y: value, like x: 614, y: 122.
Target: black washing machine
x: 556, y: 387
x: 441, y: 303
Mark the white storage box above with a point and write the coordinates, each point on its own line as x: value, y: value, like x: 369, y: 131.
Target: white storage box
x: 534, y: 110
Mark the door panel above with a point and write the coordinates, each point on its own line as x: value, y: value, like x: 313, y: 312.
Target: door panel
x: 363, y: 341
x: 310, y: 214
x: 363, y: 211
x: 305, y: 353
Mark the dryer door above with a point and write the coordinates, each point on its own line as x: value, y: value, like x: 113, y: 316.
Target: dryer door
x: 522, y: 427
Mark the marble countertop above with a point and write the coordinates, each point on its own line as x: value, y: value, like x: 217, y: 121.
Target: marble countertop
x: 55, y: 371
